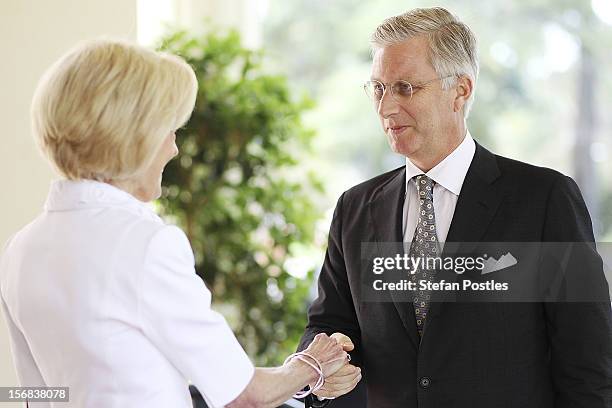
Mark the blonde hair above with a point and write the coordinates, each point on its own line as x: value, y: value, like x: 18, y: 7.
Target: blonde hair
x: 103, y: 109
x: 452, y: 45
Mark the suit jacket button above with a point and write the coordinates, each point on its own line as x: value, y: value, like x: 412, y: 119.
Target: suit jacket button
x: 424, y: 382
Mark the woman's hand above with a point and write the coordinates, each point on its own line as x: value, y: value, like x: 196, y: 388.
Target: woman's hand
x: 329, y: 353
x: 270, y: 387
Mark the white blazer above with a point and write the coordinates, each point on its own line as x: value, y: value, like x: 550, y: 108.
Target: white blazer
x: 102, y: 297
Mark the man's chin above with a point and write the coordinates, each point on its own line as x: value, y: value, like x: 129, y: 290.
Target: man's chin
x: 404, y: 149
x: 405, y: 144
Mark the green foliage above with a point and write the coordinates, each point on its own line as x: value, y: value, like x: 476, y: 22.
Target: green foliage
x: 233, y: 189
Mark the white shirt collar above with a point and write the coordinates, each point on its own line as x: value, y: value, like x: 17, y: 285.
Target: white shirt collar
x: 450, y: 172
x: 80, y: 194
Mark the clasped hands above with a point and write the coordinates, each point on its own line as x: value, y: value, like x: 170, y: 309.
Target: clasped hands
x: 340, y: 376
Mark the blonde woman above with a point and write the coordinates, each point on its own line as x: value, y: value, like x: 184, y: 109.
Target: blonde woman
x: 100, y: 295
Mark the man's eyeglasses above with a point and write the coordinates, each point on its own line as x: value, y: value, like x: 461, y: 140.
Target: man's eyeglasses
x: 401, y: 90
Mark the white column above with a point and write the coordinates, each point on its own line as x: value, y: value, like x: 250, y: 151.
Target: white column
x: 33, y: 34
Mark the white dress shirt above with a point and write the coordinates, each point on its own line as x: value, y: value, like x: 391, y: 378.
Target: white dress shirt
x: 101, y: 296
x: 449, y: 175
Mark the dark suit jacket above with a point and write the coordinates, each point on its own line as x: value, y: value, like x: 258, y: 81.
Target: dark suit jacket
x: 472, y: 355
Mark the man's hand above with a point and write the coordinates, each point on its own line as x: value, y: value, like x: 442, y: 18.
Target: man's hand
x: 345, y: 379
x: 344, y: 341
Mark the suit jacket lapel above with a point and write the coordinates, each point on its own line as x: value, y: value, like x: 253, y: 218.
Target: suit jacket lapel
x: 386, y: 213
x: 476, y: 207
x: 478, y: 200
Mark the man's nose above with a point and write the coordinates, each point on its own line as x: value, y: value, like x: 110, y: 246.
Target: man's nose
x: 387, y: 105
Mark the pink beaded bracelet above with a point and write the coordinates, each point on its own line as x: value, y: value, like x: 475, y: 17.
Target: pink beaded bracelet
x: 302, y: 356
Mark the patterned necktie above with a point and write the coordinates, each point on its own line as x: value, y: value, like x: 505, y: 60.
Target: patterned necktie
x: 424, y: 245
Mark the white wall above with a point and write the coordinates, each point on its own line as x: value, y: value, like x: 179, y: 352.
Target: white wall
x: 34, y: 33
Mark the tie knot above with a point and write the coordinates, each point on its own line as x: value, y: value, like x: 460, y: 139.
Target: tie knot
x: 424, y: 185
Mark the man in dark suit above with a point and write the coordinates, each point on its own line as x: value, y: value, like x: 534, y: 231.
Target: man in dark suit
x: 422, y: 353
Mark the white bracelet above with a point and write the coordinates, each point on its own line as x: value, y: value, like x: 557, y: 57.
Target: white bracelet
x: 302, y: 356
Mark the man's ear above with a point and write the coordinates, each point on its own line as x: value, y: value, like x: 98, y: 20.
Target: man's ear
x: 464, y: 88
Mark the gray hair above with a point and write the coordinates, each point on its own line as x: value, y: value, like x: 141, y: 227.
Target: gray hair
x: 452, y: 45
